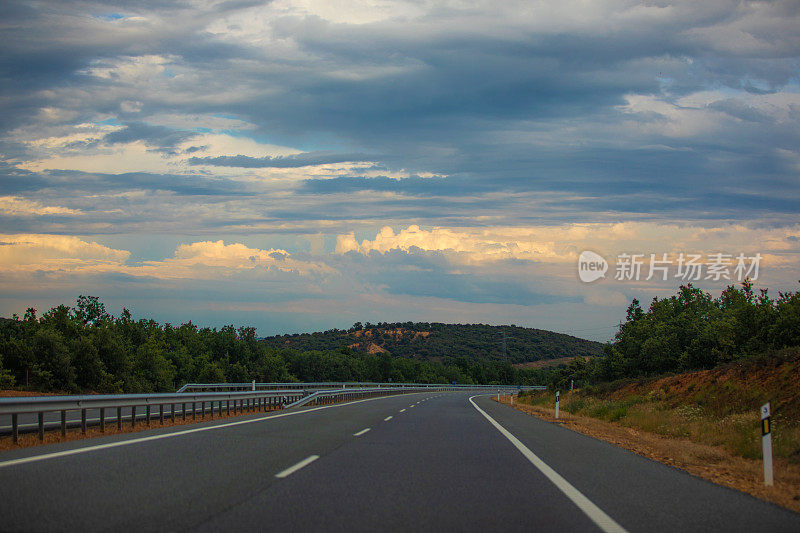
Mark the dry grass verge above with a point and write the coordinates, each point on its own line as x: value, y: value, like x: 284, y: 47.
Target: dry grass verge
x: 714, y: 463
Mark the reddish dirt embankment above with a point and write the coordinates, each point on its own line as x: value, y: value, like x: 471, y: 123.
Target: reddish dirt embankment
x: 546, y: 363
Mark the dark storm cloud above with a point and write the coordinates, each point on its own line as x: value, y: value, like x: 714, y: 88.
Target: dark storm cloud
x: 468, y: 94
x: 163, y: 138
x: 75, y: 183
x: 15, y: 180
x: 430, y: 274
x: 288, y: 161
x: 413, y: 185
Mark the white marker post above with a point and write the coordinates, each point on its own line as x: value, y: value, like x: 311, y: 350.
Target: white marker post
x: 557, y: 393
x: 512, y: 399
x: 766, y: 443
x: 254, y: 384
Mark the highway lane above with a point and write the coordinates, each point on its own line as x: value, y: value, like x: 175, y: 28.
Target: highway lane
x: 371, y: 464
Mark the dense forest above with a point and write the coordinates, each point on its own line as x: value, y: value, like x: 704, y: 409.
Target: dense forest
x: 690, y: 331
x: 437, y: 341
x: 84, y: 348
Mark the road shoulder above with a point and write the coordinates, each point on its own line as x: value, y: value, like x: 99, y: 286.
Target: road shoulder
x: 639, y: 493
x: 712, y: 463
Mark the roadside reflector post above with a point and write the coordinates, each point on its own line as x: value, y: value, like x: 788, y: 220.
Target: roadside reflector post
x: 766, y: 442
x: 557, y: 394
x: 512, y: 399
x: 254, y: 384
x: 498, y: 396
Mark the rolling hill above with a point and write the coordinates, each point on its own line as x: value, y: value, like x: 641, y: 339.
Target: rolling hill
x: 437, y: 341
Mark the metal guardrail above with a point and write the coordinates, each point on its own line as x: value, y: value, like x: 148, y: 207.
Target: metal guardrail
x: 348, y: 384
x: 209, y: 402
x: 239, y: 397
x: 338, y: 395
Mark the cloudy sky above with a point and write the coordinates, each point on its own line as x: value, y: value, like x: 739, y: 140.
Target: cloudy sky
x: 304, y: 164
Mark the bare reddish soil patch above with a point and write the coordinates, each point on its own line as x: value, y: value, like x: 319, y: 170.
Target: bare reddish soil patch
x: 546, y: 363
x: 26, y: 393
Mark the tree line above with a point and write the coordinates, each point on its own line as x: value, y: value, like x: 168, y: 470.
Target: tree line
x: 691, y: 331
x: 434, y: 340
x: 85, y: 349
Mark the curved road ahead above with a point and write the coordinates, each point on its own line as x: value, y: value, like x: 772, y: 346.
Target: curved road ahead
x: 430, y: 462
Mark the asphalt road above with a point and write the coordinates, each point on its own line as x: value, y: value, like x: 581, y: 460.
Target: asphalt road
x: 444, y: 464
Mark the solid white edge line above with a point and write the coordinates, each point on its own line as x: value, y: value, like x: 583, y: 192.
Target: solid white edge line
x: 387, y: 418
x: 361, y: 432
x: 597, y: 515
x: 294, y: 468
x: 85, y: 449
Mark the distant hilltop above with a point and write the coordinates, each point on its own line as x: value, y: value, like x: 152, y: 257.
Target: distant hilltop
x: 437, y: 341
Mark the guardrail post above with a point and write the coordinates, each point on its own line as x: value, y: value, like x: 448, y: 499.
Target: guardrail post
x: 133, y: 416
x: 119, y: 417
x: 41, y: 425
x: 14, y: 428
x: 147, y: 414
x: 194, y: 410
x: 63, y: 423
x: 183, y: 410
x: 83, y: 421
x: 102, y: 420
x: 161, y: 413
